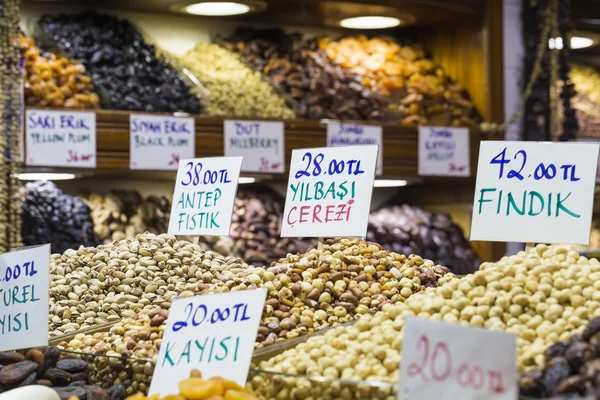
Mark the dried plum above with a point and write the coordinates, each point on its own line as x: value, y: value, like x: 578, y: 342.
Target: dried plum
x: 556, y: 372
x: 121, y: 62
x: 591, y: 329
x: 578, y: 353
x: 556, y: 350
x: 50, y: 216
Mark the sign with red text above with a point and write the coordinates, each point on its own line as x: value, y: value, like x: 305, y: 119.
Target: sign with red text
x: 345, y: 134
x: 24, y: 290
x: 60, y: 138
x: 444, y: 151
x: 534, y: 192
x: 212, y: 333
x: 261, y: 143
x: 158, y: 142
x: 449, y: 361
x: 204, y: 194
x: 329, y: 192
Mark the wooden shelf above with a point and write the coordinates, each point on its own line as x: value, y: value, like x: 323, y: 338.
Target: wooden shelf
x: 399, y: 148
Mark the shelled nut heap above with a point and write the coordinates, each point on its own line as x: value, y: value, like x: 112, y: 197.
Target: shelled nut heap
x: 543, y: 296
x: 46, y: 366
x: 339, y: 283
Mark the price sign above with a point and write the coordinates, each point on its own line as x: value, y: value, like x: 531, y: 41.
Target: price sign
x: 444, y: 151
x: 261, y: 143
x: 212, y: 333
x: 342, y: 134
x: 159, y: 142
x: 329, y: 192
x: 204, y: 195
x: 544, y: 189
x: 449, y: 361
x: 61, y: 139
x: 24, y: 293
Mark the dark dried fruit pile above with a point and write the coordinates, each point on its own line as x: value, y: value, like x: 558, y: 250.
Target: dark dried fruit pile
x: 121, y: 62
x: 300, y: 69
x: 256, y: 225
x: 409, y: 230
x: 572, y: 368
x: 44, y: 366
x: 50, y: 216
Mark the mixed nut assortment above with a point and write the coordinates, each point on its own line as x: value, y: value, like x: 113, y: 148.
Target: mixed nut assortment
x: 47, y: 366
x: 234, y: 89
x: 298, y: 68
x: 122, y: 63
x: 418, y: 89
x: 407, y: 229
x: 52, y: 81
x: 571, y: 367
x: 543, y: 296
x: 51, y: 216
x: 256, y: 226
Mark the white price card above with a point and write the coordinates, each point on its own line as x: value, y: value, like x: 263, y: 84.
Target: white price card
x: 60, y: 138
x: 159, y: 142
x: 214, y: 334
x: 24, y: 283
x: 329, y: 192
x: 204, y: 194
x: 261, y: 143
x: 444, y: 151
x: 534, y: 192
x: 345, y: 134
x: 445, y: 361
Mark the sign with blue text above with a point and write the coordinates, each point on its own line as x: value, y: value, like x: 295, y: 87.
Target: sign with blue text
x: 24, y: 283
x: 534, y: 192
x: 346, y: 134
x: 444, y: 151
x: 212, y: 333
x: 329, y: 192
x: 261, y: 143
x: 60, y: 139
x: 204, y: 194
x: 158, y: 142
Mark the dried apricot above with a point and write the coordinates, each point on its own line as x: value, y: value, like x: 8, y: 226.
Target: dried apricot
x: 197, y: 389
x: 237, y: 395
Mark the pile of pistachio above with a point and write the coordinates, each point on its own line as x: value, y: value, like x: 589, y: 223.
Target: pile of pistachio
x: 95, y: 285
x: 542, y: 296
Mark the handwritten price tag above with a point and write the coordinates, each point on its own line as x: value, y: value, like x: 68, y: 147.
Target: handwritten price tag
x: 159, y: 142
x: 61, y: 139
x: 444, y: 151
x: 342, y: 134
x: 212, y: 333
x: 544, y: 189
x: 261, y: 143
x: 24, y: 290
x: 329, y: 192
x: 204, y: 194
x: 450, y: 361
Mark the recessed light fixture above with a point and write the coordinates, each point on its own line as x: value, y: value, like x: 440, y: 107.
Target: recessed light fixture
x: 577, y: 42
x: 389, y: 183
x: 370, y: 22
x: 45, y: 176
x: 246, y: 179
x: 217, y: 8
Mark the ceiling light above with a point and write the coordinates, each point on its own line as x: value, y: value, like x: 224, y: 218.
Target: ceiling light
x: 217, y: 8
x: 389, y: 183
x: 577, y: 42
x: 371, y: 22
x: 246, y: 179
x: 45, y: 176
